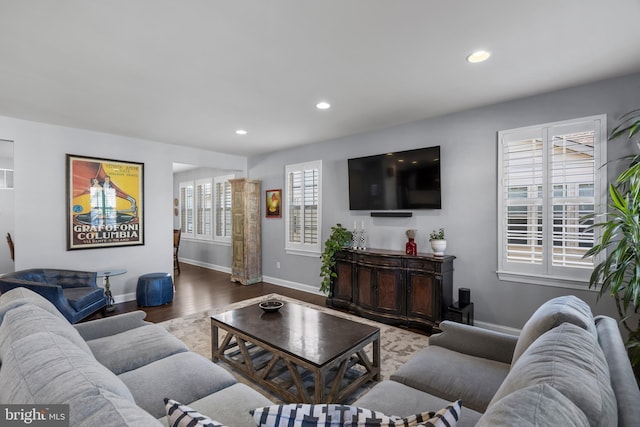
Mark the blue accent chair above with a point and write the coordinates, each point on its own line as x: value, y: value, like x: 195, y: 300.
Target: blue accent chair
x: 75, y: 293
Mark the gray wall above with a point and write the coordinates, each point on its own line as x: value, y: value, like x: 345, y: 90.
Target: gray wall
x: 468, y: 142
x: 40, y: 176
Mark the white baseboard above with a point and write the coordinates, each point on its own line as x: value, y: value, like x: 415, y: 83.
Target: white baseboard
x: 310, y: 289
x: 124, y: 298
x: 210, y: 266
x: 293, y: 285
x: 276, y: 281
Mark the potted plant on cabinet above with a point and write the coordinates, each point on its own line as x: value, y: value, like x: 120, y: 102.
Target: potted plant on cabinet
x: 438, y: 242
x: 619, y: 272
x: 339, y: 238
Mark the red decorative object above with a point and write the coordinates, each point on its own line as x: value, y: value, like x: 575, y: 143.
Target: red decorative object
x: 411, y: 247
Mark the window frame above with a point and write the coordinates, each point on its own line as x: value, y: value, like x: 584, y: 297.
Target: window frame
x: 302, y: 248
x: 546, y: 273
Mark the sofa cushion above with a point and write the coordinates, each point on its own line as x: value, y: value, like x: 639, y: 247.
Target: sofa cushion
x: 107, y: 409
x: 569, y: 359
x: 337, y: 415
x: 184, y: 376
x: 29, y: 319
x: 551, y: 314
x: 20, y: 296
x: 179, y: 415
x: 47, y: 368
x: 122, y: 352
x: 538, y: 405
x: 452, y: 375
x: 391, y: 397
x: 229, y: 406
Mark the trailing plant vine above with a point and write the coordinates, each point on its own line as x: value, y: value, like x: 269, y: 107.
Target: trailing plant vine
x: 338, y: 239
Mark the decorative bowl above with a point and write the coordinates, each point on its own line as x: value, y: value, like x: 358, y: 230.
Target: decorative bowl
x: 271, y: 305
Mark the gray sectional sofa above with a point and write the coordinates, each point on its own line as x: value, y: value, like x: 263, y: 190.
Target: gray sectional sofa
x: 114, y: 371
x: 566, y: 368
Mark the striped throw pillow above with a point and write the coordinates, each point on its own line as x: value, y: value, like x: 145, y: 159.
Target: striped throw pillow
x: 334, y: 415
x: 180, y: 415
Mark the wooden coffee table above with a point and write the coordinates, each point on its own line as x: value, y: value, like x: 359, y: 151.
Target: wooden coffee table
x: 281, y: 350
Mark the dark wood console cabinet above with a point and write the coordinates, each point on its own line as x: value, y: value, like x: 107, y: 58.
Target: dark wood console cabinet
x: 392, y: 287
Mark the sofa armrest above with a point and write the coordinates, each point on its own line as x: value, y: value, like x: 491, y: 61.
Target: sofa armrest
x: 623, y: 380
x: 475, y: 341
x: 108, y: 326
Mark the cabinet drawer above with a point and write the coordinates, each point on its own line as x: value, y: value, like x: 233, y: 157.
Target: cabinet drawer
x: 343, y: 256
x: 424, y: 265
x: 379, y: 261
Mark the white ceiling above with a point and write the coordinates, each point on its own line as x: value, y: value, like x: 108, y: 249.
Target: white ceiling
x: 192, y: 72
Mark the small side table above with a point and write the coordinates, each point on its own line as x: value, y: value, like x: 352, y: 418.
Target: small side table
x: 459, y: 314
x: 107, y: 286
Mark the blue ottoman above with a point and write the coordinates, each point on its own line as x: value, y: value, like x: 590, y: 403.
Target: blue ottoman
x: 154, y: 289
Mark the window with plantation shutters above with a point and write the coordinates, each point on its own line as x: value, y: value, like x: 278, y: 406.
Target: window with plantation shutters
x: 204, y: 208
x: 187, y: 209
x: 303, y: 208
x: 549, y: 177
x: 222, y: 190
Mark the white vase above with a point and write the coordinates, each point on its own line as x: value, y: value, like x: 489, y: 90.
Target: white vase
x: 438, y: 247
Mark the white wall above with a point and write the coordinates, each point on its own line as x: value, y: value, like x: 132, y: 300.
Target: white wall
x: 40, y: 217
x: 6, y: 210
x: 468, y: 143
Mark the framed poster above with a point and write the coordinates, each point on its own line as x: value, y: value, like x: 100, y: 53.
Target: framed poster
x: 105, y: 203
x: 273, y: 203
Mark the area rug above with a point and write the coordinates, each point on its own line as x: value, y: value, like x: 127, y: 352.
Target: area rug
x: 396, y: 345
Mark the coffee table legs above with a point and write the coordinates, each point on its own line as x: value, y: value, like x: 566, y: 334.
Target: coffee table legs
x: 214, y: 342
x: 248, y: 356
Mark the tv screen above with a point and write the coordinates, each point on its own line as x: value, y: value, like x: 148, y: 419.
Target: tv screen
x: 400, y: 180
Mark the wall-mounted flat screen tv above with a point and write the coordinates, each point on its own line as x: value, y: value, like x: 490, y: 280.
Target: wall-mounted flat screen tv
x: 399, y: 180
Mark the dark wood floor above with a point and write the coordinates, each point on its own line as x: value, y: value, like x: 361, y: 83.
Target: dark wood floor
x: 198, y: 289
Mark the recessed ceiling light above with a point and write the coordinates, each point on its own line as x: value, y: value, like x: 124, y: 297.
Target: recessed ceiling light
x: 479, y: 56
x: 241, y: 132
x: 323, y: 105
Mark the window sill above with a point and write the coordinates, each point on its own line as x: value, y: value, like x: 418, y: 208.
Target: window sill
x: 300, y: 252
x: 557, y: 282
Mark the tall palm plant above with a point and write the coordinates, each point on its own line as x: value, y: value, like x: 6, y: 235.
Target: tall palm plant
x: 619, y: 273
